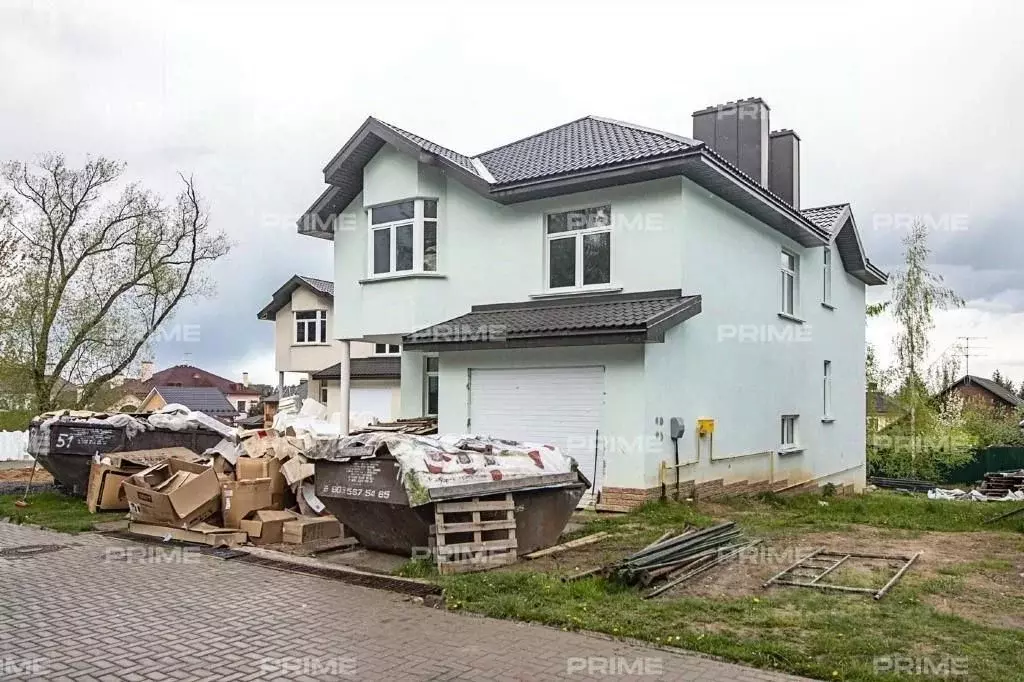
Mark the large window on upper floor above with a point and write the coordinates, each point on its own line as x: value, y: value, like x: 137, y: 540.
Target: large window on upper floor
x: 403, y: 237
x: 578, y: 248
x: 311, y: 326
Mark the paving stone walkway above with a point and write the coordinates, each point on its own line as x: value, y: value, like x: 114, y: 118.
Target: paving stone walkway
x: 91, y: 611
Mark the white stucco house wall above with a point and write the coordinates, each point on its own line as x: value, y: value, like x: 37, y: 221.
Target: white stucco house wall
x: 302, y: 311
x: 651, y: 303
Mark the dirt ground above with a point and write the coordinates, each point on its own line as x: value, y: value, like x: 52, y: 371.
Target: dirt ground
x: 984, y: 571
x: 21, y: 474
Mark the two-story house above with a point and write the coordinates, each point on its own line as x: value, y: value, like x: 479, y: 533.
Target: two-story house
x: 302, y: 311
x: 651, y: 303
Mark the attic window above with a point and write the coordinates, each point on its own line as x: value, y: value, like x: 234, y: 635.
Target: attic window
x: 403, y: 237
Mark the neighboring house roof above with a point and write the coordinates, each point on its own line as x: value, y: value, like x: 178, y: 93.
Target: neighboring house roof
x: 576, y: 320
x: 585, y: 154
x: 837, y: 220
x: 365, y: 368
x: 878, y: 403
x: 207, y: 400
x: 999, y: 392
x: 188, y: 376
x: 281, y: 297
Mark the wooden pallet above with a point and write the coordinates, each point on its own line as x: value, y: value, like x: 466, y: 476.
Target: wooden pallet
x: 474, y: 535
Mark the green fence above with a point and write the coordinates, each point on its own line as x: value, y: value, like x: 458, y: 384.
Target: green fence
x: 995, y: 458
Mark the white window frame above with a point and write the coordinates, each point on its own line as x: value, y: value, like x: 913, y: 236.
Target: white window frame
x: 826, y: 271
x: 578, y: 285
x: 387, y: 349
x: 323, y: 393
x: 789, y: 432
x: 794, y: 275
x: 826, y: 389
x: 427, y: 374
x: 418, y: 224
x: 314, y: 324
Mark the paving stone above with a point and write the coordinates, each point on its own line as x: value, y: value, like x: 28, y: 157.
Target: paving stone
x: 83, y: 618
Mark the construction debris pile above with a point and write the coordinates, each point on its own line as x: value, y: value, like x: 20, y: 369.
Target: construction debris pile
x: 677, y: 559
x: 253, y: 486
x: 1005, y: 486
x: 419, y: 426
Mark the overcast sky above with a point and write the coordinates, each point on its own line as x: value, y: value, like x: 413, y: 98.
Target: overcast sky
x: 904, y: 109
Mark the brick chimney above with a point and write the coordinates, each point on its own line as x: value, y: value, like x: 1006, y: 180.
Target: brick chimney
x: 146, y: 371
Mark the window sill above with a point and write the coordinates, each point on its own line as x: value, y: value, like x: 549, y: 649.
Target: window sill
x: 573, y: 291
x: 829, y: 306
x: 827, y: 420
x: 791, y: 450
x: 402, y: 275
x: 791, y: 318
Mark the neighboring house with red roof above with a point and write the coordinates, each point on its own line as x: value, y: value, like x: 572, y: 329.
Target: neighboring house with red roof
x: 133, y: 392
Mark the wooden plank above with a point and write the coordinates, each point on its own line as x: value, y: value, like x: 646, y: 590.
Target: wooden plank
x: 566, y: 546
x: 470, y: 526
x: 471, y: 547
x: 222, y: 539
x: 325, y: 545
x: 476, y: 564
x: 483, y: 505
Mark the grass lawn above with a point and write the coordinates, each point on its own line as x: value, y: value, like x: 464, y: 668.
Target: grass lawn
x: 54, y: 511
x: 962, y: 603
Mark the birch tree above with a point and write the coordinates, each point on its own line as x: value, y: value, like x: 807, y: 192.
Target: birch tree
x: 101, y: 264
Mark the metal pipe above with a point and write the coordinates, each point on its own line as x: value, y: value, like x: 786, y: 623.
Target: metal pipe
x: 825, y: 586
x: 698, y: 571
x: 899, y: 573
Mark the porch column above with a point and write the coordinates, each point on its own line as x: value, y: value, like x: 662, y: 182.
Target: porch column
x: 344, y: 367
x: 280, y: 384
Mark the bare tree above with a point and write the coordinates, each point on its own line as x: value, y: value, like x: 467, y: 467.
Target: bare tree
x: 102, y: 266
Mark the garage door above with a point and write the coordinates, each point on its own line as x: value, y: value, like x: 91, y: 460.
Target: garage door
x: 557, y: 405
x: 370, y: 402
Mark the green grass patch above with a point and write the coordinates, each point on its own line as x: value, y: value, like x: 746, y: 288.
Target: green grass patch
x: 417, y: 568
x: 804, y: 632
x: 54, y: 511
x: 980, y: 566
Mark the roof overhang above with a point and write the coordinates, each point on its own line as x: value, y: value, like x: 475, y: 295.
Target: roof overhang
x: 846, y: 238
x: 380, y: 368
x: 283, y: 295
x: 652, y: 329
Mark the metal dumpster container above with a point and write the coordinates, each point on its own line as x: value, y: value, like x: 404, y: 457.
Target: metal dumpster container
x: 367, y: 495
x: 66, y: 448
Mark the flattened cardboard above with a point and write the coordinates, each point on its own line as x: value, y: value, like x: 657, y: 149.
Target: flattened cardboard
x: 310, y: 528
x: 189, y: 501
x: 297, y: 469
x: 247, y: 468
x: 240, y: 498
x: 148, y: 458
x: 202, y: 534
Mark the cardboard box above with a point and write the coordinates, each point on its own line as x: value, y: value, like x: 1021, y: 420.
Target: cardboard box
x: 173, y: 492
x: 104, y: 492
x: 266, y: 527
x: 240, y: 498
x: 297, y: 469
x: 310, y: 528
x: 200, y: 533
x: 247, y: 468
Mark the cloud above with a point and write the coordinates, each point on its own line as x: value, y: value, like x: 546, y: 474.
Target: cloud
x: 902, y: 110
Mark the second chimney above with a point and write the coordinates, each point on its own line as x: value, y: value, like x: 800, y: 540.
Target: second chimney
x: 737, y: 131
x: 784, y: 166
x: 245, y: 379
x: 146, y: 371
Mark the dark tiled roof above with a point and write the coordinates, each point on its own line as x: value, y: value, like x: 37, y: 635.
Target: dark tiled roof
x: 283, y: 295
x: 320, y: 285
x: 187, y: 376
x: 434, y: 148
x: 825, y: 216
x: 878, y: 403
x: 992, y: 387
x: 579, y: 145
x: 640, y: 317
x: 208, y: 400
x: 366, y: 368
